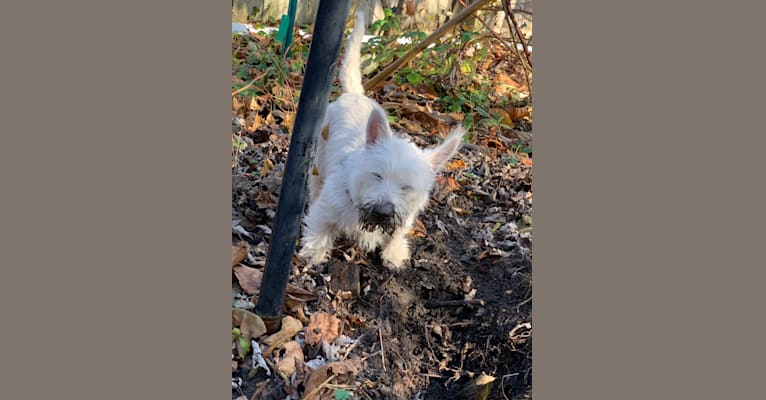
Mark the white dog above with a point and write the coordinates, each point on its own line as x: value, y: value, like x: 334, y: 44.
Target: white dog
x: 368, y: 184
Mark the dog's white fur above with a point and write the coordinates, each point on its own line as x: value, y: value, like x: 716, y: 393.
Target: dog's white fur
x: 361, y: 163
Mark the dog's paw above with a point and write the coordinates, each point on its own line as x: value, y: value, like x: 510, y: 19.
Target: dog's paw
x: 394, y: 257
x: 393, y: 266
x: 312, y: 255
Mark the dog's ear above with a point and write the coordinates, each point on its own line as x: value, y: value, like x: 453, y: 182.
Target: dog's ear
x: 377, y: 126
x: 440, y: 154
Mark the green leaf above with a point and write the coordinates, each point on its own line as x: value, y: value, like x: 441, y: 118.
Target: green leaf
x: 244, y: 344
x: 341, y: 394
x: 414, y: 78
x: 466, y: 67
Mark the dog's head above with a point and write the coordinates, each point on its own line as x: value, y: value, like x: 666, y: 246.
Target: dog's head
x: 391, y: 179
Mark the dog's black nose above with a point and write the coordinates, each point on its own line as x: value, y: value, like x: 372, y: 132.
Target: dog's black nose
x: 383, y: 210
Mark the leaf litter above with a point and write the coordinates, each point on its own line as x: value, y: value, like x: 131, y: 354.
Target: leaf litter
x: 457, y: 320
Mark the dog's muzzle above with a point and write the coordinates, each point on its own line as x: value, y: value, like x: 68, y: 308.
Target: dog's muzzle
x: 380, y: 215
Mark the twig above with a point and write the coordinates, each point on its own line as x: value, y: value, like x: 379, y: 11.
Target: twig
x: 513, y: 27
x: 512, y: 19
x: 522, y: 303
x: 363, y: 359
x: 348, y: 350
x: 454, y: 303
x: 391, y: 68
x: 382, y: 351
x: 502, y: 383
x: 495, y: 35
x: 248, y: 86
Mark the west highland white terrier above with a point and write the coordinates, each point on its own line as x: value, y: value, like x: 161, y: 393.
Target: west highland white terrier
x: 368, y: 184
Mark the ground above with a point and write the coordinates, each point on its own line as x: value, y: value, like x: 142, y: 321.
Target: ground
x: 462, y: 308
x: 471, y: 248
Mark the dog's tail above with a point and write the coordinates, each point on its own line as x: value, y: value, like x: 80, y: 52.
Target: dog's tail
x: 350, y: 72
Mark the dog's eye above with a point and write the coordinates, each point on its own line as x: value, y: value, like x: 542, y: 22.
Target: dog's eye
x: 406, y: 188
x: 378, y: 177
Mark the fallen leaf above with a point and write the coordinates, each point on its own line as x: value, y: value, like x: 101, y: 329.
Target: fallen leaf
x: 239, y: 252
x: 241, y: 343
x: 337, y: 369
x: 524, y: 159
x: 293, y: 355
x: 478, y: 388
x: 457, y: 164
x: 516, y: 113
x: 254, y: 105
x: 236, y: 105
x: 295, y: 307
x: 265, y: 200
x: 249, y: 278
x: 505, y: 117
x: 411, y: 126
x: 520, y: 333
x: 419, y: 230
x: 250, y: 324
x: 356, y: 321
x: 444, y: 186
x: 270, y: 119
x: 300, y: 294
x: 290, y: 327
x: 266, y: 166
x: 254, y: 121
x: 342, y: 394
x: 323, y: 326
x: 288, y: 121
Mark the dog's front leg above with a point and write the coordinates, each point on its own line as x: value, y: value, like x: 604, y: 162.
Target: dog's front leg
x: 320, y: 233
x: 397, y: 250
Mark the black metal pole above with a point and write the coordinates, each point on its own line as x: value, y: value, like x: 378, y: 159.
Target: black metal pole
x: 320, y: 71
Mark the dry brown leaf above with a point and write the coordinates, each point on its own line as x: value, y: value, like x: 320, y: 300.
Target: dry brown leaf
x: 300, y: 294
x: 444, y: 186
x: 249, y: 278
x: 290, y: 327
x: 524, y: 159
x: 265, y: 200
x: 516, y: 113
x: 323, y: 326
x: 254, y: 121
x: 270, y: 119
x: 504, y: 115
x: 254, y: 105
x: 266, y: 166
x: 295, y: 307
x: 293, y: 355
x: 457, y: 164
x: 336, y: 369
x: 249, y: 324
x: 356, y: 321
x: 239, y: 252
x: 236, y: 105
x: 288, y: 121
x: 419, y: 230
x: 478, y: 388
x: 411, y: 126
